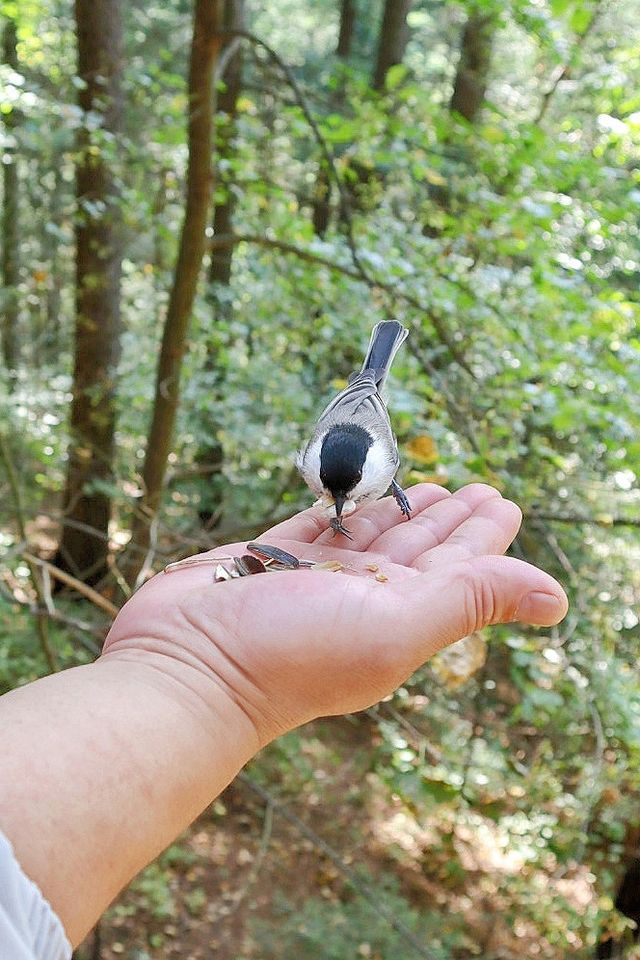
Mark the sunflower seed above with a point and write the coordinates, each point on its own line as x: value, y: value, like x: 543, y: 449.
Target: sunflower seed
x: 267, y: 552
x: 247, y: 565
x: 221, y: 573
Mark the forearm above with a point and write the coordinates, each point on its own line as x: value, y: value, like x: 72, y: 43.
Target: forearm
x: 103, y: 765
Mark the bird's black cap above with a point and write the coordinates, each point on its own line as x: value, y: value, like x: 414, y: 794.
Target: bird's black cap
x: 342, y: 456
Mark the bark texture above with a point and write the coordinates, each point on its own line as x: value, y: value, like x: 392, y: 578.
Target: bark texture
x: 321, y: 199
x: 51, y: 256
x: 210, y: 457
x: 470, y: 83
x: 205, y: 48
x: 347, y: 27
x: 627, y: 900
x: 393, y: 39
x: 10, y: 219
x: 226, y: 110
x: 87, y: 501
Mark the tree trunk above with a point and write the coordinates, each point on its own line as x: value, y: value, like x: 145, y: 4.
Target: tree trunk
x: 321, y: 204
x: 205, y: 47
x: 347, y: 25
x: 627, y: 900
x: 393, y: 39
x: 470, y: 83
x: 51, y: 254
x: 210, y: 457
x: 321, y: 200
x: 469, y: 89
x: 226, y: 106
x: 98, y: 265
x: 10, y: 213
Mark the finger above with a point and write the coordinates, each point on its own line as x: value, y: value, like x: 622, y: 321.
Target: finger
x: 472, y: 594
x: 305, y: 527
x: 491, y: 529
x: 432, y: 525
x: 371, y: 521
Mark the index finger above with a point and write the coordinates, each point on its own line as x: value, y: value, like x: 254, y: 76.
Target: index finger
x: 304, y: 527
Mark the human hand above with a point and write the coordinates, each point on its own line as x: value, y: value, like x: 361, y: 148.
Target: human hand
x: 287, y: 647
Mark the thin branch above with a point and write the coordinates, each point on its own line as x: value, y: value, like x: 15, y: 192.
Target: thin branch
x: 69, y: 521
x: 82, y: 627
x: 96, y: 598
x: 564, y: 71
x: 152, y: 549
x: 329, y: 161
x: 352, y: 879
x: 373, y: 283
x: 231, y: 239
x: 554, y: 546
x: 315, y: 129
x: 227, y: 53
x: 419, y: 738
x: 575, y: 520
x: 256, y: 867
x: 41, y: 611
x: 119, y: 578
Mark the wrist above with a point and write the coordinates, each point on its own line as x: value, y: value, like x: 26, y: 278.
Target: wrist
x: 197, y: 640
x: 184, y: 687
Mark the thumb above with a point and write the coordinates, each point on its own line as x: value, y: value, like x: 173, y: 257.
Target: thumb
x: 479, y: 592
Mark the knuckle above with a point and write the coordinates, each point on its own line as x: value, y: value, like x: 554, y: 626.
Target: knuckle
x: 481, y: 605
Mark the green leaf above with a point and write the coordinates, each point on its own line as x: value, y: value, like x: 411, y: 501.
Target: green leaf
x: 439, y: 790
x: 580, y: 18
x: 395, y: 75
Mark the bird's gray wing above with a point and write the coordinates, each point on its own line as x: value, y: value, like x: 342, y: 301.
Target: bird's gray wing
x: 359, y: 397
x: 361, y: 403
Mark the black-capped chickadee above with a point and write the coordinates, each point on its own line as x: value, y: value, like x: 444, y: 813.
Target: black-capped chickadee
x: 352, y: 456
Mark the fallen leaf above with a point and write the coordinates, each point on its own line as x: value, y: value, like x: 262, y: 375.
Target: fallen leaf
x: 418, y: 476
x: 423, y: 449
x: 458, y: 663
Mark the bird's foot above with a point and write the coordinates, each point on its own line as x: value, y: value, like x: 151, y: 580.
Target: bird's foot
x: 401, y: 499
x: 337, y: 526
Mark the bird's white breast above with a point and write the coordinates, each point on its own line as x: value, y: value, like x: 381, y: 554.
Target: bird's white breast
x: 309, y: 465
x: 377, y: 473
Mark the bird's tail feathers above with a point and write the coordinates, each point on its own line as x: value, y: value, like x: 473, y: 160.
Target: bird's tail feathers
x: 386, y: 339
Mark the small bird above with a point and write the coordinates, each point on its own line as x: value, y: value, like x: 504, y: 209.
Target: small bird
x: 352, y: 456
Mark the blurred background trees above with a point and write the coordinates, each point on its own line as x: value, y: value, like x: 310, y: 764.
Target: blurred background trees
x: 205, y: 208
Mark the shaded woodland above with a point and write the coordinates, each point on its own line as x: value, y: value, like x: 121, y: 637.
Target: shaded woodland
x: 205, y: 208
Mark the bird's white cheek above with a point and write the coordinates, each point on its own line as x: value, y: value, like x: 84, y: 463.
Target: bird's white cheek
x: 377, y: 473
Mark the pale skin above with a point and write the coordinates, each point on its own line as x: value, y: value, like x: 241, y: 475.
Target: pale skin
x: 102, y: 766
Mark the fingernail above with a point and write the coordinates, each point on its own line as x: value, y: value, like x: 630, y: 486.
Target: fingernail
x: 542, y: 609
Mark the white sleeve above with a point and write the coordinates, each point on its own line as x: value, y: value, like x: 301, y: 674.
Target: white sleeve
x: 29, y: 929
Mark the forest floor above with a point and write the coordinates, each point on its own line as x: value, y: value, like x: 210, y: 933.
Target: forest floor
x: 242, y: 870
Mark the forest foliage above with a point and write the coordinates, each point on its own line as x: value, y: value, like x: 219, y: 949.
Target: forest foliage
x: 172, y: 323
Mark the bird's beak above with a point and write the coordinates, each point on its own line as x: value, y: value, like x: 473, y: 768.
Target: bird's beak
x: 340, y: 502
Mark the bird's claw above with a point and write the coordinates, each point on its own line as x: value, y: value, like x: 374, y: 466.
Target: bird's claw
x: 337, y: 526
x: 401, y: 499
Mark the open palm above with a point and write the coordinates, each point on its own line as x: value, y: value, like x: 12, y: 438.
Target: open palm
x: 291, y: 646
